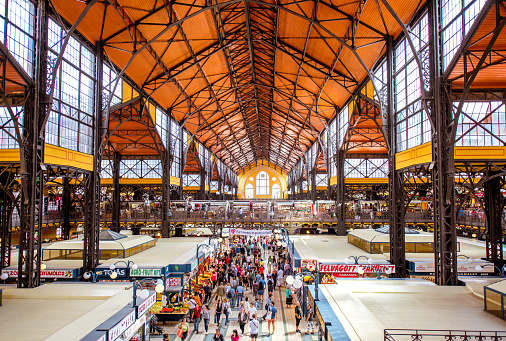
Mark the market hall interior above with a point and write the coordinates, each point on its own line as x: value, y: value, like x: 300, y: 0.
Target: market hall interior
x: 349, y: 155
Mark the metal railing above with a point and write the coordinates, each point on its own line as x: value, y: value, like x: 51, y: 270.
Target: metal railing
x: 296, y: 218
x: 428, y: 335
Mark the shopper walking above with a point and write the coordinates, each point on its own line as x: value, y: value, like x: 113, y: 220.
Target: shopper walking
x: 226, y: 310
x: 218, y: 336
x: 309, y: 319
x: 298, y: 317
x: 220, y: 292
x: 273, y: 311
x: 242, y: 318
x: 196, y: 318
x: 253, y: 326
x: 218, y: 311
x: 206, y: 316
x: 183, y: 325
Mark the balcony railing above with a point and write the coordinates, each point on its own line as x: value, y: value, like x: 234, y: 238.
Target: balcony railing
x: 433, y: 335
x: 295, y: 218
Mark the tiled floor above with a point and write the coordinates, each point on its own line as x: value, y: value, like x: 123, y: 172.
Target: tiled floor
x: 285, y: 324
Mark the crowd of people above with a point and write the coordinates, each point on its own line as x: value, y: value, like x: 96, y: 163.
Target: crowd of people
x: 244, y: 276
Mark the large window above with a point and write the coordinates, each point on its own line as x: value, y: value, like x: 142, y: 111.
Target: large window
x: 413, y: 125
x: 457, y: 17
x: 366, y: 168
x: 17, y: 29
x: 140, y: 169
x: 8, y: 131
x: 276, y: 191
x: 70, y: 123
x: 262, y: 183
x: 481, y: 124
x: 249, y: 191
x: 108, y: 82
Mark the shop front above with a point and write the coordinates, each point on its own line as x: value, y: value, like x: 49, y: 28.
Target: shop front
x: 326, y: 321
x: 426, y: 269
x: 129, y: 324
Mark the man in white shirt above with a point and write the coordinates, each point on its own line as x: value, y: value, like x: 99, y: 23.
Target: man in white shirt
x: 253, y: 325
x: 252, y: 311
x: 280, y: 277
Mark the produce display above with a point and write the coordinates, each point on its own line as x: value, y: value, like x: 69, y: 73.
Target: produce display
x: 178, y: 308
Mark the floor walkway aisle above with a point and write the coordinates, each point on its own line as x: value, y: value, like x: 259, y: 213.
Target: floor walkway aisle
x: 285, y: 323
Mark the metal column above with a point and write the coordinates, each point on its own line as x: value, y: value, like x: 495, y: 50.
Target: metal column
x: 66, y: 204
x: 493, y: 210
x: 340, y: 194
x: 32, y: 175
x: 165, y: 194
x: 5, y: 229
x: 443, y: 180
x: 116, y: 196
x: 395, y: 189
x: 91, y: 252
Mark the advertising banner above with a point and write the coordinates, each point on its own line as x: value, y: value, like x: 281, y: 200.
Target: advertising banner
x: 353, y: 268
x: 253, y: 233
x: 48, y: 273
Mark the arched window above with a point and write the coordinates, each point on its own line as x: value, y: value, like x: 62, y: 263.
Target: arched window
x: 262, y: 183
x: 276, y: 191
x: 249, y: 192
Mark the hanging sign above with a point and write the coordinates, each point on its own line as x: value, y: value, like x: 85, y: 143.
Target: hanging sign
x: 254, y: 233
x: 353, y: 268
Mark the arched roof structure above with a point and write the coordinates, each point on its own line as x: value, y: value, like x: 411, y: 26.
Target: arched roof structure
x: 250, y: 79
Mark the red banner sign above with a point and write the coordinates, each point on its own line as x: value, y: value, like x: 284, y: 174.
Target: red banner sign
x: 353, y: 268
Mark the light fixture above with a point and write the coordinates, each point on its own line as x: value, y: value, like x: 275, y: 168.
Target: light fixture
x: 479, y: 268
x: 273, y: 178
x: 134, y: 266
x: 347, y: 260
x: 360, y: 270
x: 308, y: 232
x: 87, y: 275
x: 220, y: 239
x: 473, y: 235
x: 289, y: 279
x: 159, y: 288
x: 370, y: 260
x: 4, y: 276
x: 278, y: 243
x: 297, y: 283
x: 145, y: 293
x: 251, y: 178
x: 470, y: 260
x: 113, y: 275
x: 284, y: 244
x: 112, y: 266
x: 388, y: 271
x: 43, y: 266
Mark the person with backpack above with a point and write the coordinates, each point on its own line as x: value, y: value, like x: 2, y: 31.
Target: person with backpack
x: 270, y: 285
x: 192, y: 304
x: 267, y: 305
x: 261, y: 290
x: 273, y: 311
x: 254, y: 326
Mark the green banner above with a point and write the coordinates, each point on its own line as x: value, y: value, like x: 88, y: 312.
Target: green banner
x: 145, y: 272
